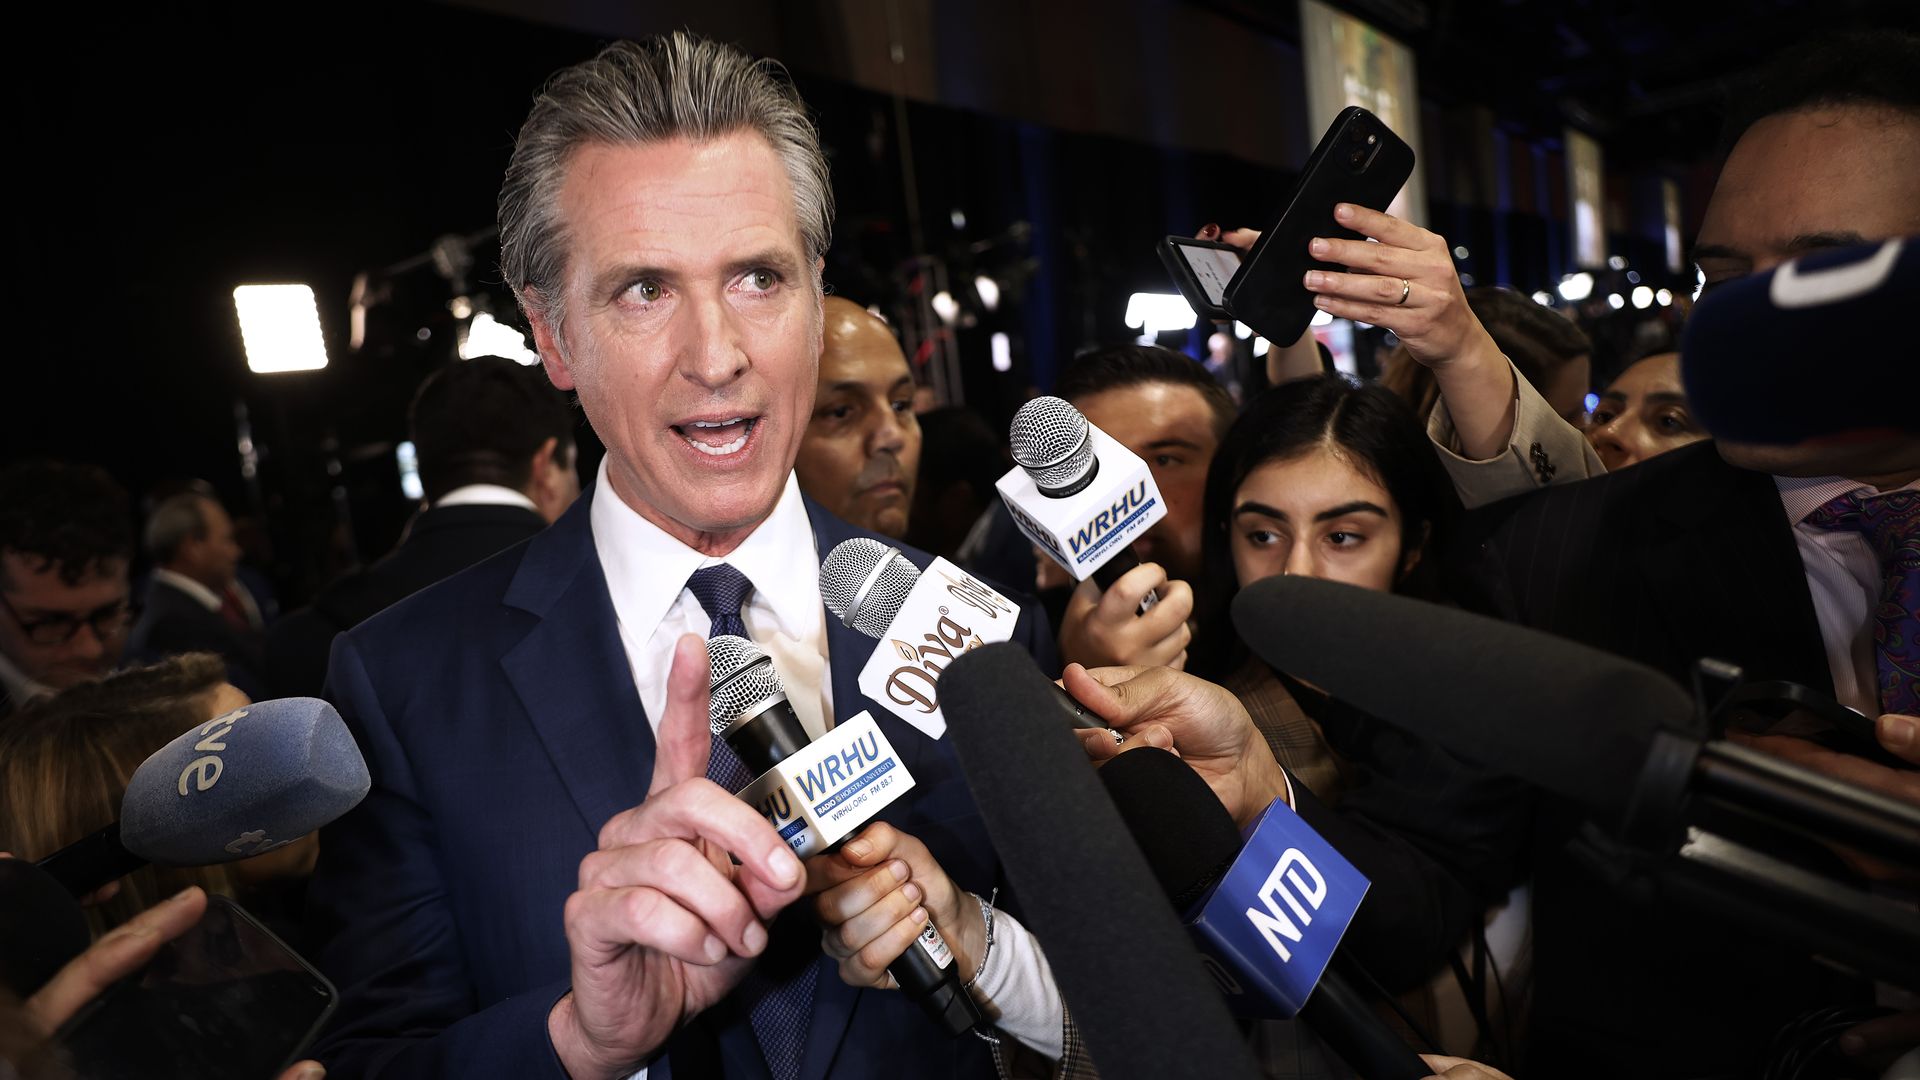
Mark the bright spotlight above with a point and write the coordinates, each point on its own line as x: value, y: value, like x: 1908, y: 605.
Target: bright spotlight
x: 1543, y: 299
x: 945, y: 306
x: 989, y: 291
x: 1152, y: 313
x: 280, y: 325
x: 487, y: 337
x: 1616, y: 301
x: 1577, y: 287
x: 1642, y: 297
x: 1663, y: 297
x: 1002, y: 352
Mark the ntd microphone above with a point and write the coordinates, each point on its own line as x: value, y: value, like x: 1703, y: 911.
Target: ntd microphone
x: 1267, y: 913
x: 239, y: 785
x: 816, y: 794
x: 1078, y: 494
x: 922, y: 620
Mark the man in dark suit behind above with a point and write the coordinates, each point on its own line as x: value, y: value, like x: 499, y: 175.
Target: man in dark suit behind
x: 496, y: 450
x: 192, y: 603
x: 1722, y: 550
x: 539, y: 882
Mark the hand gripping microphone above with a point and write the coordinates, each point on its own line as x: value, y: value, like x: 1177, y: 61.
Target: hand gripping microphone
x: 239, y: 785
x: 1192, y: 846
x: 867, y: 585
x: 1125, y: 968
x: 1080, y: 496
x: 750, y: 710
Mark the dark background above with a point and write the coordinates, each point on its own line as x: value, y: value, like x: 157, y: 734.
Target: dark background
x: 169, y: 155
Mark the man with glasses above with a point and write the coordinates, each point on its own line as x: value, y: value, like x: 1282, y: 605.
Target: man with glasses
x: 65, y: 600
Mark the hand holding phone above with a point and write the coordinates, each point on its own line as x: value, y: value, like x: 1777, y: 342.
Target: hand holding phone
x: 191, y: 987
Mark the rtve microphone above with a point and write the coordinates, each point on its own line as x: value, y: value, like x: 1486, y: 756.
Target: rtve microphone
x: 1193, y: 848
x: 750, y: 710
x: 865, y: 583
x: 239, y: 785
x: 1080, y: 496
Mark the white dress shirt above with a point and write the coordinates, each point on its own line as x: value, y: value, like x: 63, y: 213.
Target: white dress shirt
x: 485, y: 495
x: 647, y: 573
x: 1845, y: 579
x: 207, y: 597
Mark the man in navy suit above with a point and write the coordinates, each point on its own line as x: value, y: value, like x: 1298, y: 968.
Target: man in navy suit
x: 539, y: 883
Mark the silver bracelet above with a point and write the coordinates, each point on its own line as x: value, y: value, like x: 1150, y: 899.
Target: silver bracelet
x: 986, y: 913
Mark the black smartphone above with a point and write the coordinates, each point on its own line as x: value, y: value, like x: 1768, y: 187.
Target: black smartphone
x: 1786, y: 708
x: 227, y: 1000
x: 1202, y: 269
x: 1359, y: 160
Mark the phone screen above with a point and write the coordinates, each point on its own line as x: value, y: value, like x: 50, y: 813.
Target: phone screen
x: 225, y: 1001
x: 1212, y: 267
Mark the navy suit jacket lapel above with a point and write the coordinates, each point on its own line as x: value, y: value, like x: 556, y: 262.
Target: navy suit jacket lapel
x: 572, y: 675
x: 1719, y: 555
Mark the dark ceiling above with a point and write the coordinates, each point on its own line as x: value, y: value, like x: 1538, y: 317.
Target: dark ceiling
x: 1647, y: 76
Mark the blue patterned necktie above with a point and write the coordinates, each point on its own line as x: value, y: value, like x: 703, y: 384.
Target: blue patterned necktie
x: 1891, y: 525
x: 778, y: 1004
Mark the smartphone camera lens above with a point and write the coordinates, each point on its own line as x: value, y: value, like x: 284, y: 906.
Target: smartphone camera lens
x: 1371, y: 139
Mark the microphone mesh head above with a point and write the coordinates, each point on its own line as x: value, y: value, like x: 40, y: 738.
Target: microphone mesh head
x: 848, y: 568
x: 740, y: 675
x: 1051, y: 443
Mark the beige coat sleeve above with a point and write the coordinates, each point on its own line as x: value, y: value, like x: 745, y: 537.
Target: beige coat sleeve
x: 1544, y: 449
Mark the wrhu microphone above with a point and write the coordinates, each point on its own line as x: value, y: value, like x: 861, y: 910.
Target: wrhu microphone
x: 866, y: 583
x: 749, y: 709
x: 1065, y: 502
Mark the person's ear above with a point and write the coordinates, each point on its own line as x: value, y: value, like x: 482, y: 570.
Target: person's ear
x: 546, y: 341
x: 1409, y: 560
x: 540, y: 474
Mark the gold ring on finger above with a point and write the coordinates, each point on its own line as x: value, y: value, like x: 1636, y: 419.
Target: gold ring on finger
x: 1406, y: 290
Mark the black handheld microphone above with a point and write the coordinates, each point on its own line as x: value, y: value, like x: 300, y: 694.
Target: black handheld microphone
x: 234, y: 787
x: 750, y: 710
x: 1190, y: 843
x: 865, y: 583
x: 1053, y: 443
x: 1068, y: 855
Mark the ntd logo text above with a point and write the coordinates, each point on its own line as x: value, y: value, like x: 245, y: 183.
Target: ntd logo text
x: 1298, y: 884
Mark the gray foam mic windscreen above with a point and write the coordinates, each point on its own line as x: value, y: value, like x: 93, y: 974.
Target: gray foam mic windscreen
x: 243, y: 784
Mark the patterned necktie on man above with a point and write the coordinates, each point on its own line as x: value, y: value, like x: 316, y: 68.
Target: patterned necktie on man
x: 779, y: 1004
x: 1891, y: 525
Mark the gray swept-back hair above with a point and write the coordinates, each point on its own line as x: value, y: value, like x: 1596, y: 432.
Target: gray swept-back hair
x: 636, y: 92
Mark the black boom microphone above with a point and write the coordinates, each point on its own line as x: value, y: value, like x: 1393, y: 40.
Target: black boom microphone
x: 1613, y: 735
x: 1124, y: 965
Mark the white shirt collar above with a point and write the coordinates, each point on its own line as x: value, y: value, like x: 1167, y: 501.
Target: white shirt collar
x: 485, y: 495
x: 1802, y: 495
x: 207, y: 597
x: 647, y: 570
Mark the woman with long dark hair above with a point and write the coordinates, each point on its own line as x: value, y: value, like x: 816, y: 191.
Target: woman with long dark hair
x: 1322, y: 478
